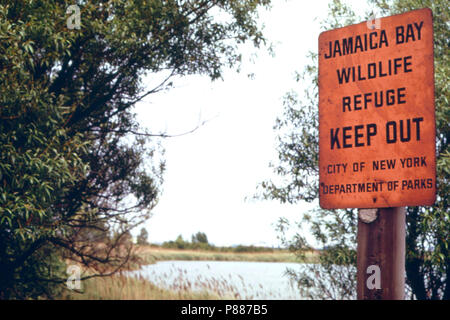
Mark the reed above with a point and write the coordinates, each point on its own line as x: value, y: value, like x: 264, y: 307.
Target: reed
x: 121, y: 287
x: 125, y: 287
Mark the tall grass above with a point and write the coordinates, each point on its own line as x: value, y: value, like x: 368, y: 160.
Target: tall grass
x: 178, y: 281
x: 130, y: 287
x: 163, y: 287
x: 224, y: 286
x: 174, y: 285
x: 122, y: 287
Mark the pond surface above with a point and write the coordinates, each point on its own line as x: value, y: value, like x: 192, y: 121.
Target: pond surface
x: 238, y: 279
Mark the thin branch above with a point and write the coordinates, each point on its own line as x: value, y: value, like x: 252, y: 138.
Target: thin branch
x: 161, y: 135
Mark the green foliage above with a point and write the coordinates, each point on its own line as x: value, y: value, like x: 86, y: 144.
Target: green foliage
x: 427, y: 241
x: 180, y: 243
x: 74, y: 165
x: 199, y: 237
x: 200, y: 242
x: 241, y: 249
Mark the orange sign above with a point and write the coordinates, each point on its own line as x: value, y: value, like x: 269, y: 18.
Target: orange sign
x: 377, y: 114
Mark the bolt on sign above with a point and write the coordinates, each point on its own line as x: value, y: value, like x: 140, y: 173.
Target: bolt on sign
x: 377, y: 114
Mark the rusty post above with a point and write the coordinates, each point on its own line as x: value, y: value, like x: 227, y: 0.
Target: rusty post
x: 381, y: 254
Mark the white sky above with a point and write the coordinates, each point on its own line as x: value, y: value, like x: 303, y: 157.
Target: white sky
x: 210, y: 172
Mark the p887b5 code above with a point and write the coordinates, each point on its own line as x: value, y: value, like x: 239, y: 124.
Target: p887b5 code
x: 253, y: 309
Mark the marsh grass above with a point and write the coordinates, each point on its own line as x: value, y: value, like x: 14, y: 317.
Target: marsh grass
x: 122, y: 287
x: 224, y: 286
x: 176, y: 280
x: 172, y: 285
x: 150, y: 255
x: 125, y: 286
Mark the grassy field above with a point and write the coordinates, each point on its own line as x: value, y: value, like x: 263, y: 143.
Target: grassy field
x: 122, y: 287
x: 151, y: 254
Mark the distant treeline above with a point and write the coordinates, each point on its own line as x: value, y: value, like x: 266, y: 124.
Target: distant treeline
x: 200, y: 242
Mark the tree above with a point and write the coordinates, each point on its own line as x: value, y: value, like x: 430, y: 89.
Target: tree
x: 72, y: 155
x: 200, y: 237
x: 180, y: 243
x: 142, y: 237
x: 427, y: 238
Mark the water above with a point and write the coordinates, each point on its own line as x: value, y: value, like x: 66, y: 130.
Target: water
x: 238, y: 279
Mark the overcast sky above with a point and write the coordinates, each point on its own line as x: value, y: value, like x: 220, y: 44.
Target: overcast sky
x: 212, y: 171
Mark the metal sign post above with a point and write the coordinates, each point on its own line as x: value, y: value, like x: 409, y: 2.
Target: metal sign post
x: 377, y: 136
